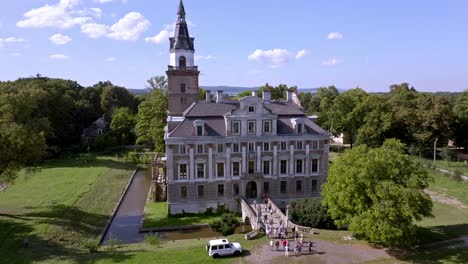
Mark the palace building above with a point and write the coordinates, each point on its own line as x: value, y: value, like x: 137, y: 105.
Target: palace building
x: 218, y: 150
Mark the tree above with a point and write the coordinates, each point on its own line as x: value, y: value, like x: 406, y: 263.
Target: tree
x: 376, y: 121
x: 226, y: 225
x: 123, y: 125
x: 344, y: 117
x: 378, y: 193
x: 157, y: 83
x: 310, y: 212
x: 114, y: 97
x: 460, y: 126
x: 151, y: 120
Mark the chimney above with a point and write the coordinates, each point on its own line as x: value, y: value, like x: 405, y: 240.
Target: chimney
x: 219, y: 96
x: 208, y: 96
x: 254, y: 93
x: 289, y: 95
x: 266, y: 96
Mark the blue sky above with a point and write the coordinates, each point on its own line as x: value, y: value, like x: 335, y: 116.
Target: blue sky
x: 370, y: 44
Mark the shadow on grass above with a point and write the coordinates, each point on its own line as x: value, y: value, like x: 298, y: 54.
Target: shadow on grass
x: 431, y: 247
x: 13, y: 250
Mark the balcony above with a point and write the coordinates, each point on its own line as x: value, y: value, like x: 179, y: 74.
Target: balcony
x: 175, y: 68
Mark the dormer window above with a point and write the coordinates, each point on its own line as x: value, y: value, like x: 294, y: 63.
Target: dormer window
x: 235, y: 127
x: 300, y: 128
x: 199, y: 126
x: 298, y: 125
x: 251, y: 109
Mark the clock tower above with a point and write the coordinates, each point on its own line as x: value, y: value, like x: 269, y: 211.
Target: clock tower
x: 182, y: 74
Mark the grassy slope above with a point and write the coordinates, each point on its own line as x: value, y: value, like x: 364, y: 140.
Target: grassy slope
x: 58, y: 207
x: 444, y: 185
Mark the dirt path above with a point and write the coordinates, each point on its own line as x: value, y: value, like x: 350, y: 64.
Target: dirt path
x: 445, y: 199
x: 323, y: 252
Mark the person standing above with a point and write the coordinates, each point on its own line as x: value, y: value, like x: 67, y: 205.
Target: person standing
x: 271, y: 245
x: 286, y: 250
x: 310, y: 247
x: 277, y: 243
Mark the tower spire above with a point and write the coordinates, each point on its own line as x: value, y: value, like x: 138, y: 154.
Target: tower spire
x: 181, y: 10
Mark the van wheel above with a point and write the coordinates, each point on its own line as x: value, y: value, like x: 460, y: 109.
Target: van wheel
x: 236, y: 253
x: 216, y: 255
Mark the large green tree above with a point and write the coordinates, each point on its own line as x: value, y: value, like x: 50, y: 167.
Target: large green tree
x: 378, y: 193
x: 157, y: 83
x: 151, y: 120
x: 460, y: 126
x: 123, y: 124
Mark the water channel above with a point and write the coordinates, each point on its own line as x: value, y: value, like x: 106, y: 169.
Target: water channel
x: 128, y: 217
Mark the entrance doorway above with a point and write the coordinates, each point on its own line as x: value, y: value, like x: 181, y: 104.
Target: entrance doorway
x: 251, y: 190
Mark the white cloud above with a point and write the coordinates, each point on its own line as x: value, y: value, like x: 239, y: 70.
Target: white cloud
x: 124, y: 1
x: 111, y: 59
x: 302, y: 53
x: 161, y: 37
x: 201, y: 57
x: 103, y: 1
x: 274, y: 56
x: 58, y: 57
x: 12, y: 40
x: 94, y: 11
x: 129, y: 27
x: 334, y: 35
x: 94, y: 30
x: 332, y: 61
x: 60, y: 39
x: 57, y: 15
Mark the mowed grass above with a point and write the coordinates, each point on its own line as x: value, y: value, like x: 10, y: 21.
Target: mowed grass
x: 58, y: 207
x: 452, y: 166
x: 443, y: 184
x: 156, y: 215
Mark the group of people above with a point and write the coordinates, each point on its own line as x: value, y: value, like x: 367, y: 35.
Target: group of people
x: 287, y: 246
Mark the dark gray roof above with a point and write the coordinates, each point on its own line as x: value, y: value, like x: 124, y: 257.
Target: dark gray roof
x: 285, y: 127
x: 204, y: 109
x: 214, y: 126
x: 284, y: 108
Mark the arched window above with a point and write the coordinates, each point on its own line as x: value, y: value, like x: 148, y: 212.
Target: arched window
x: 182, y: 62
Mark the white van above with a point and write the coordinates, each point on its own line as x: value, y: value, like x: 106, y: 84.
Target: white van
x: 222, y: 247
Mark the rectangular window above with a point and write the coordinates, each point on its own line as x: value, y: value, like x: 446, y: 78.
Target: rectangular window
x: 235, y: 127
x: 251, y: 166
x: 283, y: 167
x: 220, y: 148
x: 314, y: 165
x: 235, y: 147
x: 266, y: 167
x: 236, y: 188
x: 283, y: 146
x: 200, y: 170
x: 266, y: 146
x: 299, y: 164
x: 199, y: 131
x: 251, y: 147
x: 183, y: 171
x: 299, y: 145
x: 200, y: 149
x: 201, y: 191
x: 266, y: 126
x: 314, y: 185
x: 300, y: 128
x: 236, y: 168
x: 251, y: 109
x: 266, y: 187
x: 182, y: 87
x: 283, y: 187
x: 314, y: 145
x: 298, y: 186
x: 183, y: 192
x: 182, y: 149
x: 220, y: 169
x: 251, y: 126
x: 220, y: 190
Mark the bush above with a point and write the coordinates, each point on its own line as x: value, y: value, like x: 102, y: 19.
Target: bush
x: 456, y: 175
x: 113, y: 244
x: 227, y: 225
x: 92, y: 245
x: 310, y: 212
x: 152, y: 239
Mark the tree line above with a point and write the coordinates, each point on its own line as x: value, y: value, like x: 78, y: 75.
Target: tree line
x: 41, y: 117
x: 415, y: 118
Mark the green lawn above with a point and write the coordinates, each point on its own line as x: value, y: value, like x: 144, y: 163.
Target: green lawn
x: 452, y: 165
x: 58, y: 207
x: 156, y: 216
x: 444, y: 185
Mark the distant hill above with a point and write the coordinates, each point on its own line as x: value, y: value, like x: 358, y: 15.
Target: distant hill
x: 227, y: 89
